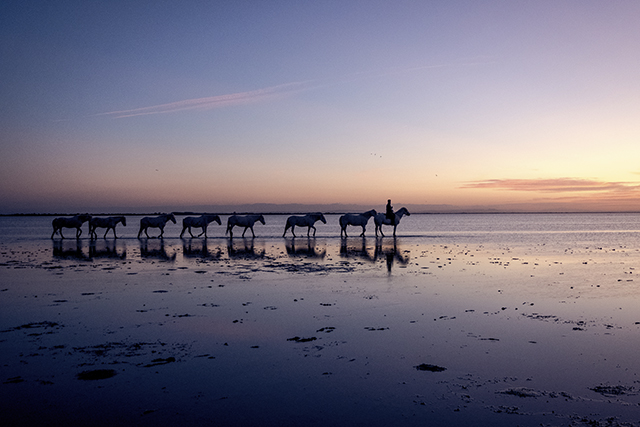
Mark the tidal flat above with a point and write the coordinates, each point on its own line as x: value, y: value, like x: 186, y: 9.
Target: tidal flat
x: 430, y: 329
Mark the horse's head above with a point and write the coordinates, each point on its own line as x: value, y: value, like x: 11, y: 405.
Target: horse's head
x: 123, y: 220
x: 84, y: 217
x: 403, y: 211
x: 216, y: 218
x: 370, y: 213
x: 321, y: 218
x: 171, y: 218
x: 261, y: 219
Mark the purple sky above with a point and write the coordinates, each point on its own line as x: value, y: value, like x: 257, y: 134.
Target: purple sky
x: 507, y: 104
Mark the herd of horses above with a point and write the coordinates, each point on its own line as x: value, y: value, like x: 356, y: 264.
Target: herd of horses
x: 246, y: 221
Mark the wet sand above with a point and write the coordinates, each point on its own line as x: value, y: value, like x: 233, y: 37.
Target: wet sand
x: 317, y: 332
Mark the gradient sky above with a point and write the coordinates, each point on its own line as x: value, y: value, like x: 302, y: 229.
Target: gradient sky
x: 513, y: 105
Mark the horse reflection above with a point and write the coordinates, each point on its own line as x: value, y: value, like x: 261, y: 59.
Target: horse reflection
x: 355, y: 248
x: 106, y: 249
x: 73, y: 222
x: 69, y: 249
x: 391, y: 253
x: 156, y: 250
x: 305, y: 247
x: 198, y: 248
x: 244, y: 249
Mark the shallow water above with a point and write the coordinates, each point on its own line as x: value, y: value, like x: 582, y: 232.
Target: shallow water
x: 534, y: 317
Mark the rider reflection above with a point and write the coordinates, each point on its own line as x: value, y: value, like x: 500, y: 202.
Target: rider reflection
x: 391, y: 253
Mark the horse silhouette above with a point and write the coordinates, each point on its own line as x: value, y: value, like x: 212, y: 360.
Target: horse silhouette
x: 303, y: 221
x: 109, y: 223
x: 202, y: 221
x: 73, y: 222
x: 246, y: 221
x: 155, y: 222
x: 381, y: 219
x: 356, y: 220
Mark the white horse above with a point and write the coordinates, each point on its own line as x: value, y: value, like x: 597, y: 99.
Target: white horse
x: 381, y: 219
x: 109, y: 223
x: 156, y: 222
x: 246, y: 221
x: 201, y: 221
x: 355, y: 219
x: 303, y: 221
x: 73, y: 222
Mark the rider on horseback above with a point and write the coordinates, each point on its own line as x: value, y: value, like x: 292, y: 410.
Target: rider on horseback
x: 391, y: 216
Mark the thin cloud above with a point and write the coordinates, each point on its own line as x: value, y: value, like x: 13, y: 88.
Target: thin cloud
x: 556, y: 185
x: 211, y: 102
x: 242, y: 98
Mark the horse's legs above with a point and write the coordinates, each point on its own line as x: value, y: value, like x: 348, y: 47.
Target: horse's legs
x: 363, y: 229
x: 204, y: 231
x: 161, y: 233
x: 54, y: 232
x: 139, y: 232
x: 293, y: 227
x: 78, y: 232
x: 253, y: 234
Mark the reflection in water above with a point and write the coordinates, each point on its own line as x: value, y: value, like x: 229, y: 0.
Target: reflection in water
x: 155, y: 250
x: 244, y: 249
x: 66, y: 249
x: 107, y: 249
x: 303, y: 246
x: 355, y: 247
x: 391, y: 253
x: 198, y: 248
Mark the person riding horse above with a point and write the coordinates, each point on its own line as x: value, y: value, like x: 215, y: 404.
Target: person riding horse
x: 391, y: 216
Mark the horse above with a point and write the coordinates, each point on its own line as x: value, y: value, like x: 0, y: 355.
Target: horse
x: 355, y: 219
x: 246, y: 221
x: 303, y: 221
x: 73, y: 222
x: 202, y: 221
x: 381, y: 219
x: 109, y: 223
x: 156, y: 222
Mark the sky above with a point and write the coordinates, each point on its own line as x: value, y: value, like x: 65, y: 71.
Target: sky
x: 450, y: 105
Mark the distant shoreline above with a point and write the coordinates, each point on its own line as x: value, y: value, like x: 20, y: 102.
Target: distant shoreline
x: 324, y: 212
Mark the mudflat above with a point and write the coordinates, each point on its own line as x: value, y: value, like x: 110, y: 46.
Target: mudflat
x: 323, y: 331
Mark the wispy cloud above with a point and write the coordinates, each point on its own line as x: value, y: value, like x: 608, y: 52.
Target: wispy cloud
x: 242, y: 98
x: 211, y: 102
x: 555, y: 185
